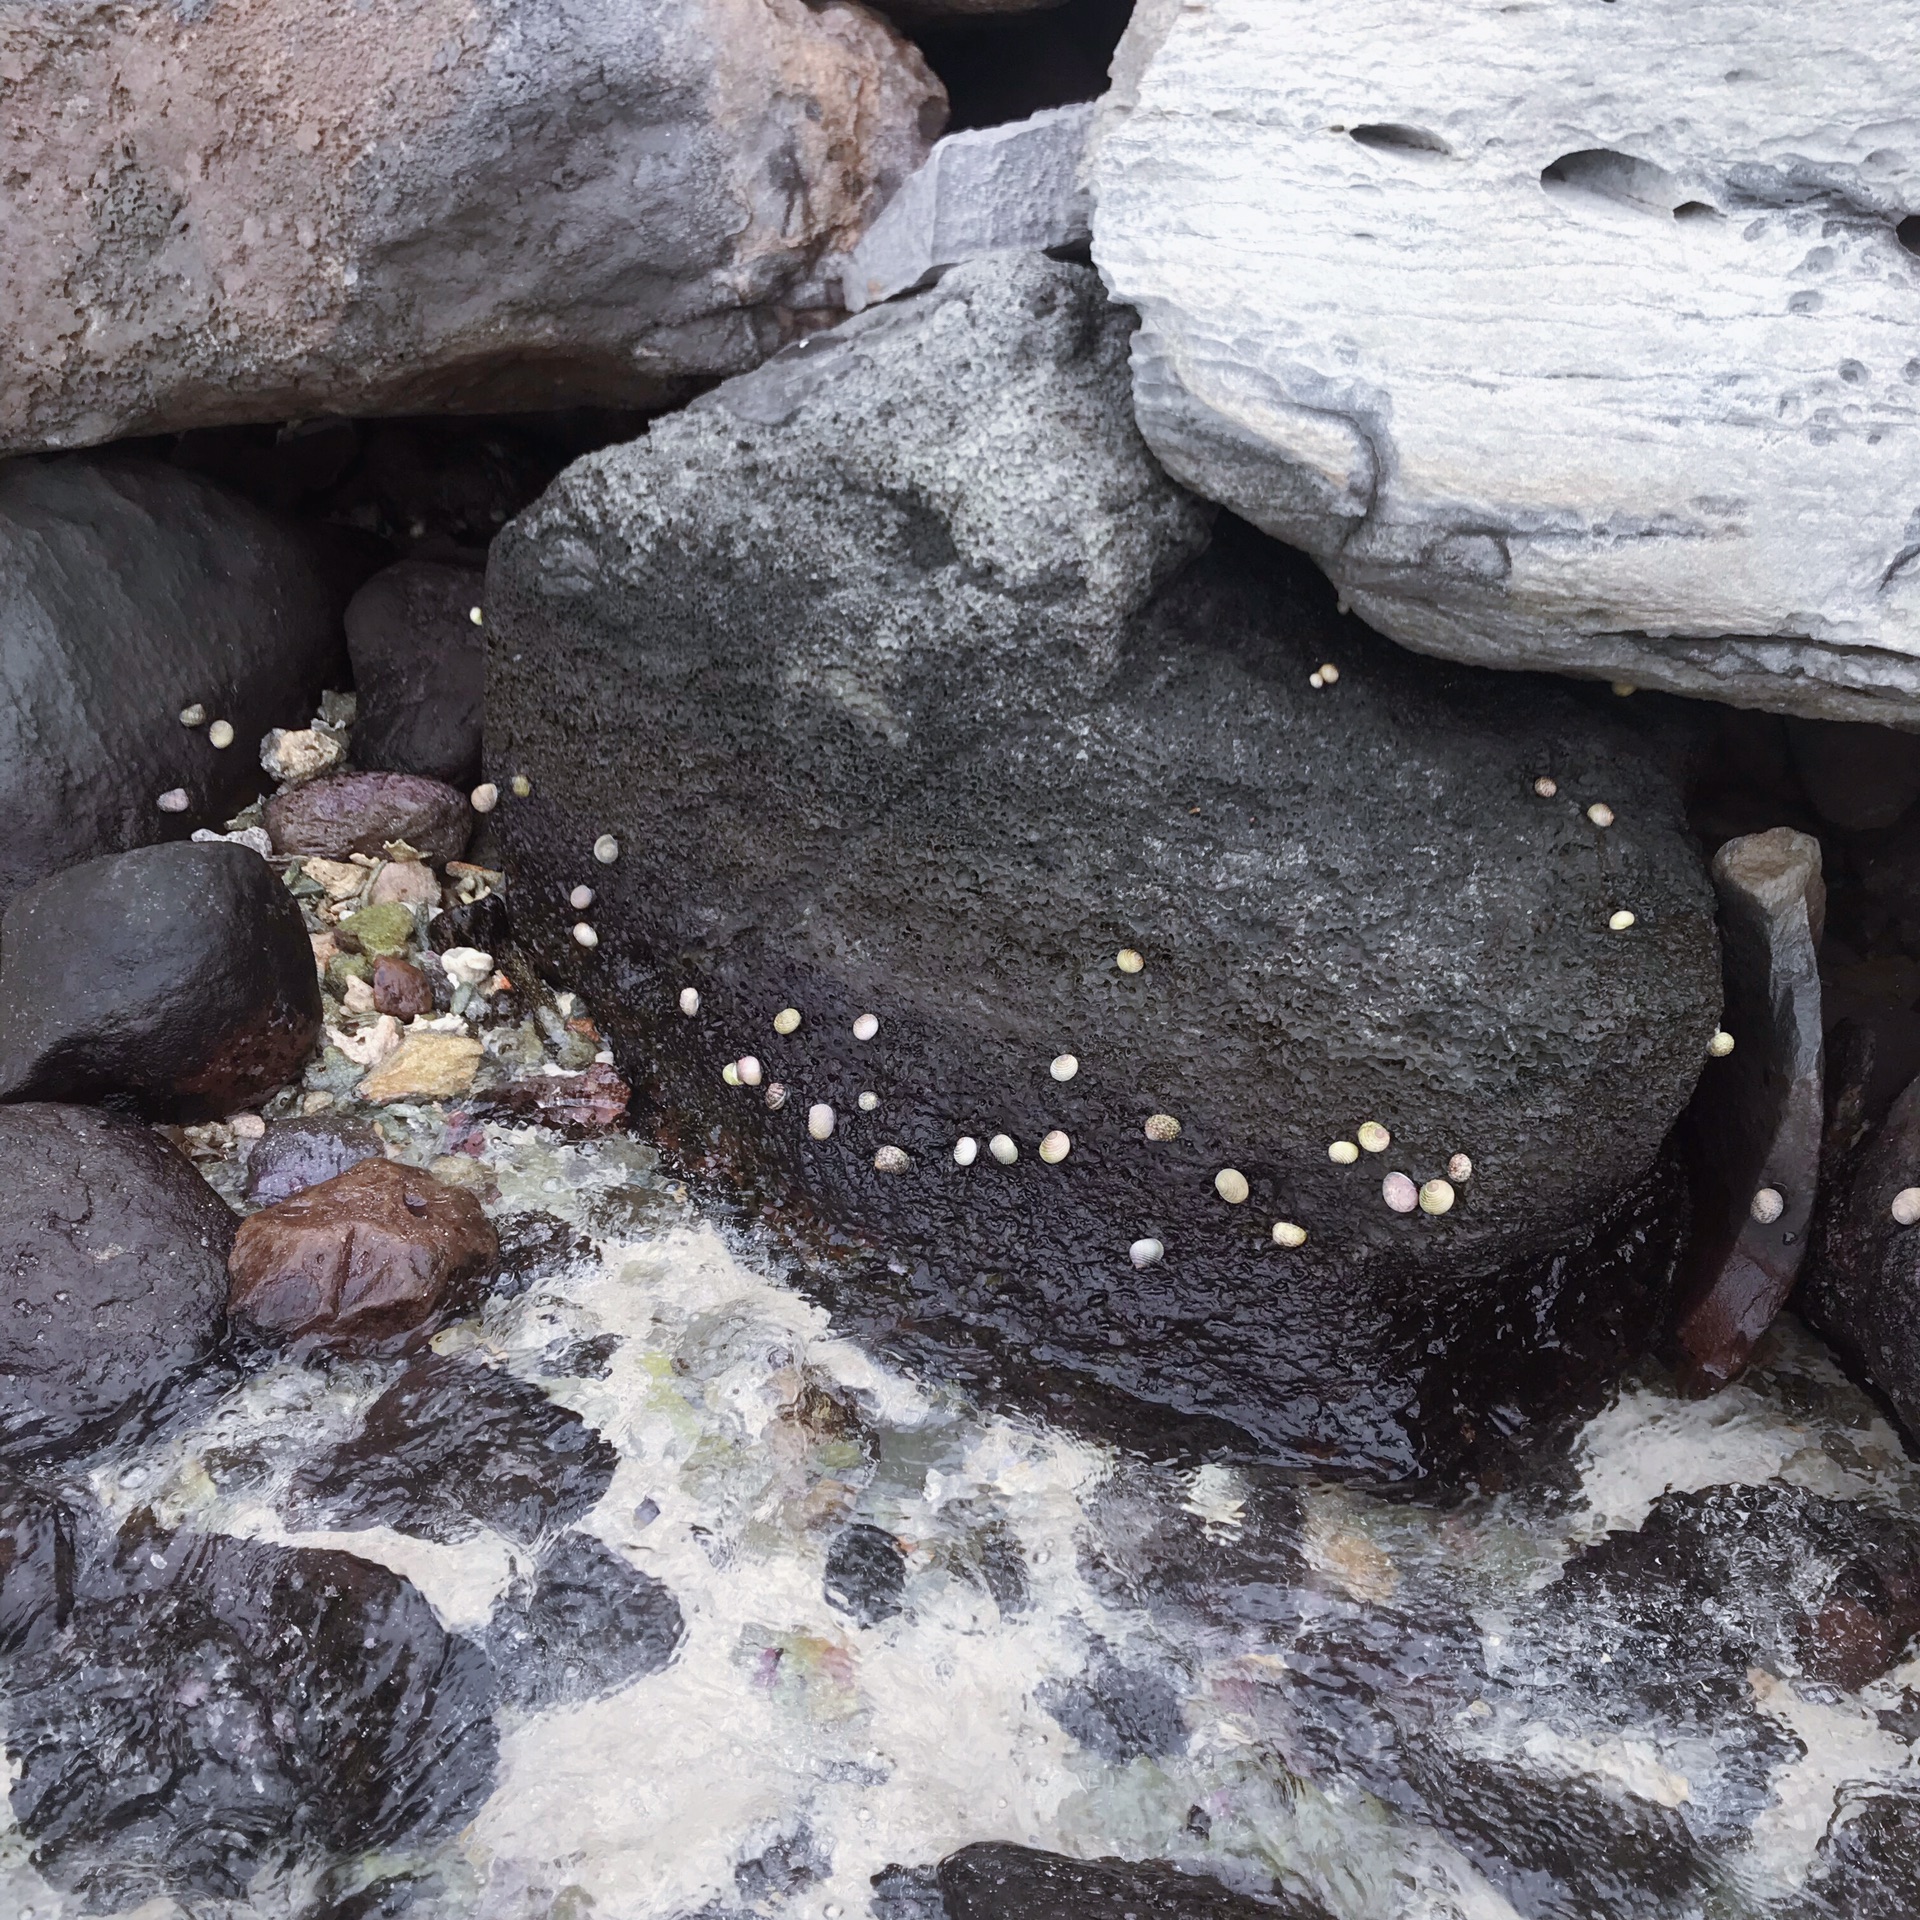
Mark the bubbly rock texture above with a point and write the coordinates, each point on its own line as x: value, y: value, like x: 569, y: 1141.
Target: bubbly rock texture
x: 1560, y: 340
x: 113, y: 1257
x: 129, y: 591
x: 177, y: 979
x: 252, y: 212
x: 420, y: 670
x: 872, y: 684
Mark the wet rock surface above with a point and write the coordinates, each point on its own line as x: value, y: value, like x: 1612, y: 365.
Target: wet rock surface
x: 345, y: 813
x: 451, y: 1447
x: 1352, y: 903
x: 866, y: 1577
x: 210, y: 1706
x: 113, y: 1257
x: 129, y: 592
x: 998, y: 1881
x: 175, y: 979
x: 373, y: 1250
x: 295, y: 1154
x: 420, y: 669
x: 584, y: 1624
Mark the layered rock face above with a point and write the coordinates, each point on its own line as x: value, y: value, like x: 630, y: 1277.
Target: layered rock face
x: 241, y: 212
x: 1559, y: 341
x: 952, y: 830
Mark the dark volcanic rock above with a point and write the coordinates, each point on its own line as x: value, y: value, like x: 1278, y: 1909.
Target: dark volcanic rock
x: 113, y: 1265
x: 420, y: 669
x: 374, y: 1249
x: 293, y: 1155
x: 995, y: 1880
x: 38, y: 1561
x: 1118, y: 1712
x: 452, y: 1447
x: 129, y: 591
x: 1869, y: 1864
x: 866, y: 1576
x: 178, y: 979
x: 343, y: 813
x: 868, y: 674
x: 1753, y: 1130
x: 1863, y: 1280
x: 1857, y: 776
x: 585, y: 1624
x: 215, y: 1705
x: 534, y: 1245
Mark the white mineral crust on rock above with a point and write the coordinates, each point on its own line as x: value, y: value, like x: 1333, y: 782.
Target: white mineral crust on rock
x: 1570, y: 337
x: 1008, y: 189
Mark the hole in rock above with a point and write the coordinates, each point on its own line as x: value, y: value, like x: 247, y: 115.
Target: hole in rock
x: 1598, y: 173
x: 1004, y: 66
x: 1697, y: 210
x: 1390, y: 137
x: 1908, y: 233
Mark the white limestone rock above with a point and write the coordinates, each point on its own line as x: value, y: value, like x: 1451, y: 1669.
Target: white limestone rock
x: 1007, y: 189
x: 1569, y: 337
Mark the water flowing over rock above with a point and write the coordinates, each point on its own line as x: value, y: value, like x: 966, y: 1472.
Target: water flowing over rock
x: 998, y: 1881
x: 177, y: 979
x: 130, y: 592
x: 879, y: 681
x: 263, y: 213
x: 113, y: 1255
x: 1559, y: 341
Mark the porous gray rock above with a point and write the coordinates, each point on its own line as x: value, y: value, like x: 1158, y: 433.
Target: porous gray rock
x: 877, y: 676
x: 271, y: 212
x: 1755, y: 1125
x: 177, y: 980
x: 1560, y: 341
x: 420, y: 671
x: 129, y: 592
x: 113, y: 1253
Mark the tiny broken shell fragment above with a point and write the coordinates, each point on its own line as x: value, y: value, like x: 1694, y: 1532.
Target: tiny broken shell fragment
x: 730, y: 1073
x: 1231, y: 1185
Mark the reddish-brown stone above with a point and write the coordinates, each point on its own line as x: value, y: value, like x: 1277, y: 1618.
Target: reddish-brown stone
x: 345, y: 813
x: 373, y: 1249
x: 588, y: 1102
x: 400, y: 988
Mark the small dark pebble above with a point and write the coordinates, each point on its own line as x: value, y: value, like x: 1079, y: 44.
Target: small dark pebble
x: 400, y: 988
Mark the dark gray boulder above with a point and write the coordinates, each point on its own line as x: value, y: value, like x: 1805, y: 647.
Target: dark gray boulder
x: 420, y: 669
x: 176, y: 979
x: 996, y: 1880
x: 113, y: 1261
x: 874, y: 669
x: 130, y: 591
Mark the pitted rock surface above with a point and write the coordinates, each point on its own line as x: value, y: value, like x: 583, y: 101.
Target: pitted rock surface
x: 343, y: 813
x: 883, y: 687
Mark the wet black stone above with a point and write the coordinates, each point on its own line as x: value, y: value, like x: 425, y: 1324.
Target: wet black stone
x: 481, y: 923
x: 215, y: 1705
x: 420, y: 670
x: 1869, y: 1863
x: 293, y: 1155
x: 777, y: 1872
x: 385, y: 1899
x: 176, y: 980
x: 452, y: 1447
x: 866, y: 1575
x: 1117, y: 1711
x: 535, y: 1246
x: 38, y: 1542
x: 590, y: 1359
x: 907, y: 1893
x: 113, y: 1274
x: 997, y: 1881
x: 586, y: 1624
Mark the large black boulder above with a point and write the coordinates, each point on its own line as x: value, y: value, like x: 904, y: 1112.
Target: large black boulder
x: 113, y: 1267
x: 420, y: 670
x: 130, y: 591
x: 871, y: 663
x: 176, y: 979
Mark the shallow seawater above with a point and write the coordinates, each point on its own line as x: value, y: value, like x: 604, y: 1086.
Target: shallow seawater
x: 912, y: 1622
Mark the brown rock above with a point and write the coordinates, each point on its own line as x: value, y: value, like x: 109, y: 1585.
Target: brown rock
x: 429, y: 1066
x: 275, y: 209
x: 404, y: 883
x: 400, y: 988
x: 373, y: 1249
x: 361, y: 812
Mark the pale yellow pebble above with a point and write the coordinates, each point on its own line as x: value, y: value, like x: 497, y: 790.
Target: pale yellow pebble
x: 787, y: 1020
x: 220, y: 734
x: 1620, y: 921
x: 429, y: 1066
x: 521, y: 785
x: 1721, y: 1044
x: 1329, y: 672
x: 1128, y: 961
x: 730, y: 1073
x: 1624, y: 687
x: 478, y: 618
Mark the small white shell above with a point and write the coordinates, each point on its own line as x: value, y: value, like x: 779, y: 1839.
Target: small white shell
x: 1063, y: 1066
x: 866, y: 1027
x: 1906, y: 1207
x: 606, y: 849
x: 220, y: 734
x: 580, y: 899
x: 1002, y: 1148
x: 1055, y: 1148
x: 585, y: 934
x: 1373, y: 1137
x: 820, y: 1121
x: 748, y: 1068
x: 1146, y: 1253
x: 1287, y: 1234
x: 1329, y: 672
x: 1459, y: 1169
x: 1162, y: 1127
x: 1600, y: 814
x: 1231, y: 1185
x: 689, y: 1001
x: 1316, y: 678
x: 890, y: 1160
x: 787, y: 1020
x: 1343, y: 1153
x: 1128, y: 961
x: 193, y: 716
x: 485, y: 797
x: 867, y: 1102
x: 1620, y: 921
x: 478, y: 618
x: 1399, y: 1193
x: 966, y: 1150
x: 730, y: 1073
x: 1721, y: 1044
x: 1767, y: 1205
x: 174, y: 800
x: 1436, y: 1196
x: 1546, y: 786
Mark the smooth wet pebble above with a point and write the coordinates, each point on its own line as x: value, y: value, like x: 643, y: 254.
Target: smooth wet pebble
x: 866, y: 1027
x: 1767, y: 1205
